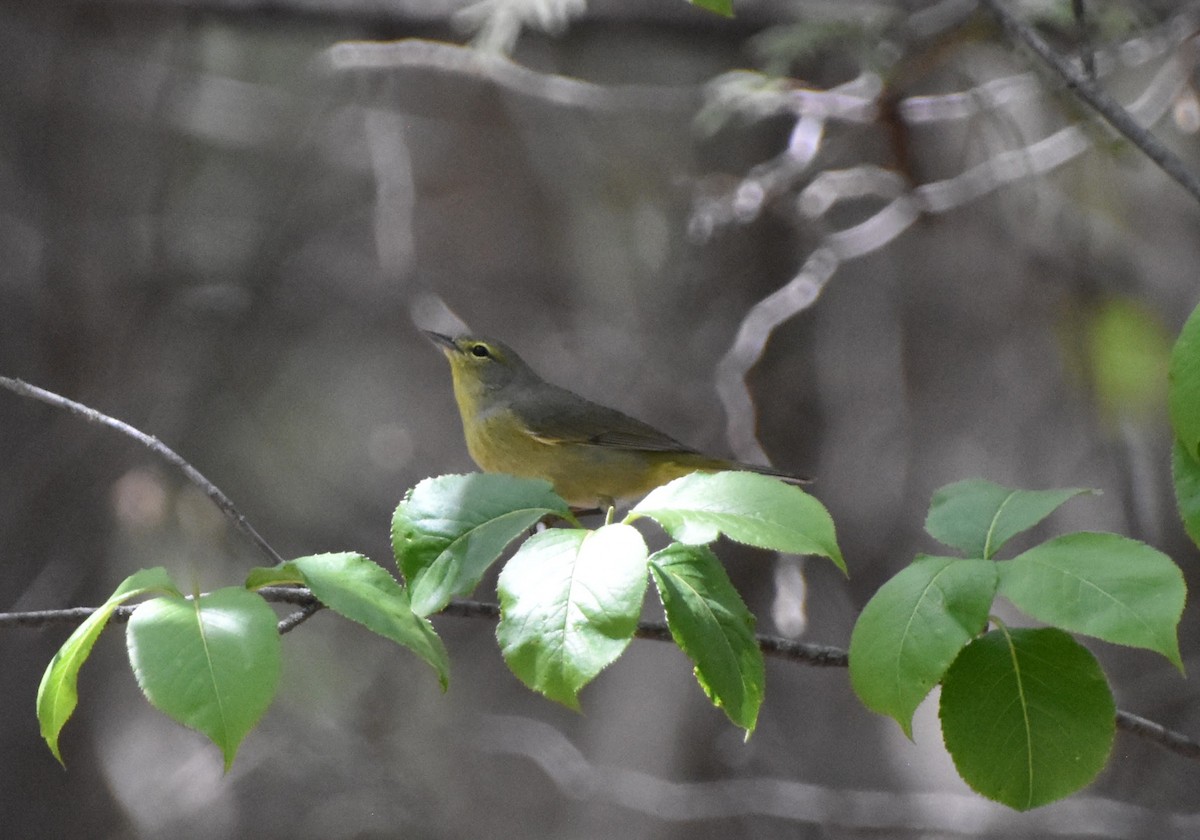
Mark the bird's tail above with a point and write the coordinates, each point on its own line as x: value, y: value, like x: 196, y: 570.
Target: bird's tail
x: 790, y: 478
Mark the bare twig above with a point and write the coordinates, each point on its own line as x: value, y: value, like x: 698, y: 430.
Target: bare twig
x: 777, y: 179
x: 1166, y: 738
x: 297, y: 596
x: 464, y: 73
x: 156, y: 446
x: 1078, y: 81
x: 294, y: 620
x: 53, y: 618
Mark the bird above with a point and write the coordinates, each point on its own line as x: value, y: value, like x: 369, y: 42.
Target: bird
x: 517, y: 423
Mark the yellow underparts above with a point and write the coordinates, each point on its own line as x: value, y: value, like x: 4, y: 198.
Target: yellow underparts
x: 585, y: 475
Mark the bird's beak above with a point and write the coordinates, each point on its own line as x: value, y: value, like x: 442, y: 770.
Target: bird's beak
x: 443, y: 341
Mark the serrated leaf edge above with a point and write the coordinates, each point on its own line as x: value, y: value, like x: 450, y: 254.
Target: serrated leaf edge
x: 724, y: 641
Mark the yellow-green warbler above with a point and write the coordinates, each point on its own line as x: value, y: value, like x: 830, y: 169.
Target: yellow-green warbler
x: 515, y: 422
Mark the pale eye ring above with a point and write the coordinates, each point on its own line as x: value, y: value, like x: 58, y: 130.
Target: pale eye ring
x: 479, y: 350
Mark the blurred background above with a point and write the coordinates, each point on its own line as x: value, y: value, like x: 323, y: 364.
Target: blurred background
x: 872, y: 242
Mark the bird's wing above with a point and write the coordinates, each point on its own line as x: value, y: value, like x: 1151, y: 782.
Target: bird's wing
x: 564, y: 417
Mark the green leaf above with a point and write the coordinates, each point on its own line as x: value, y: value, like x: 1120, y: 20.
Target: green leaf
x: 711, y: 624
x: 362, y: 591
x: 978, y: 517
x: 1129, y: 350
x: 570, y: 601
x: 1027, y: 716
x: 450, y: 529
x: 1183, y: 389
x: 1185, y: 471
x: 720, y: 7
x: 746, y: 507
x: 211, y: 663
x: 913, y: 628
x: 1104, y: 585
x: 285, y: 574
x: 58, y: 692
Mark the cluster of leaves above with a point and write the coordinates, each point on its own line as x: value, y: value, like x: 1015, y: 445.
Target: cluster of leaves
x: 570, y: 597
x: 1026, y: 714
x: 212, y: 661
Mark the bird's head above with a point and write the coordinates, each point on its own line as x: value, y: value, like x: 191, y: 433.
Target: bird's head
x: 481, y: 365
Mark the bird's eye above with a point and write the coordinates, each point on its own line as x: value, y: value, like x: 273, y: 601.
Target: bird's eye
x: 480, y: 351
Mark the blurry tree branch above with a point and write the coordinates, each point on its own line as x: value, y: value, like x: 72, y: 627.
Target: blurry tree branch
x: 1079, y: 81
x: 430, y: 12
x: 856, y: 812
x: 789, y: 180
x: 465, y: 74
x: 496, y: 24
x: 154, y: 445
x: 456, y: 77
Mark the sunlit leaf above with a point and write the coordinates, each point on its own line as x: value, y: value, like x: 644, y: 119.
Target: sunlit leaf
x: 211, y: 663
x: 362, y: 591
x: 450, y: 529
x: 570, y: 601
x: 746, y: 507
x: 58, y: 692
x: 711, y: 624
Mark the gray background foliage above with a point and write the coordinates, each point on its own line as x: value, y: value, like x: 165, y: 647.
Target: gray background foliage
x: 211, y: 232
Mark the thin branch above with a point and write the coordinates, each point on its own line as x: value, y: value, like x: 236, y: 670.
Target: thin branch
x: 156, y: 446
x: 52, y: 618
x: 465, y: 73
x: 1091, y: 93
x: 73, y: 616
x: 1157, y: 733
x: 774, y: 646
x: 294, y: 620
x: 833, y: 657
x: 296, y: 595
